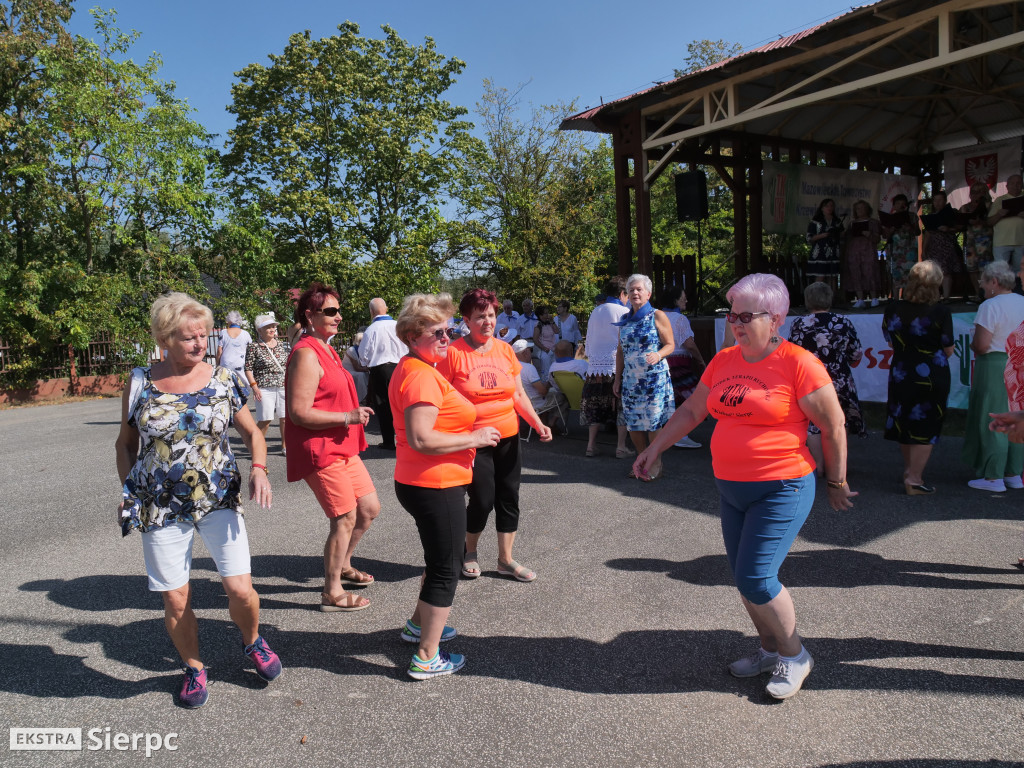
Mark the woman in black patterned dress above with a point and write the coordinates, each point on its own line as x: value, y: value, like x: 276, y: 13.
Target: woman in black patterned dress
x: 833, y: 340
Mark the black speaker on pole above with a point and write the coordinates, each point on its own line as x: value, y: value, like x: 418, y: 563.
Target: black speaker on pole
x: 692, y: 196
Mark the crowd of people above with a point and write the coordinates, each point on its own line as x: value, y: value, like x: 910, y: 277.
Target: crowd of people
x: 960, y: 241
x: 450, y: 396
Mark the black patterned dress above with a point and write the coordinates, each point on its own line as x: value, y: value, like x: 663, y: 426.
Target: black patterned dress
x: 833, y: 340
x: 919, y: 377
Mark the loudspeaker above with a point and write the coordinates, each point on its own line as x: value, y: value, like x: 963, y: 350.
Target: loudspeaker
x: 692, y: 196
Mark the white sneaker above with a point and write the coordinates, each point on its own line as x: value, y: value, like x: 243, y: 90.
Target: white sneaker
x: 757, y: 663
x: 874, y: 302
x: 992, y: 486
x: 789, y: 675
x: 686, y: 442
x: 1013, y: 482
x: 858, y: 304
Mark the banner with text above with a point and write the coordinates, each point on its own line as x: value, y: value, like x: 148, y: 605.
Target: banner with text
x: 792, y: 193
x: 988, y: 163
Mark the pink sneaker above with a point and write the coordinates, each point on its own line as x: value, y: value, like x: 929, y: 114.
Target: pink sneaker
x: 268, y: 664
x: 193, y: 688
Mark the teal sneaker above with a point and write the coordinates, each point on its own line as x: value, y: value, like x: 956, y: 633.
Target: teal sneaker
x: 443, y: 663
x: 411, y: 632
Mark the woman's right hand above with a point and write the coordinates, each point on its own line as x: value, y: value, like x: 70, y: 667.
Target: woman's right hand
x: 256, y: 393
x: 485, y: 437
x: 360, y: 415
x: 647, y: 459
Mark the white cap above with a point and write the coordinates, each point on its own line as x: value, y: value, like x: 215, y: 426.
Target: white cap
x: 262, y: 321
x: 520, y: 344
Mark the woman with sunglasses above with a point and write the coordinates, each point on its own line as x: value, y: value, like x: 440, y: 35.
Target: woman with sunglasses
x: 324, y: 430
x: 763, y: 391
x: 436, y: 442
x: 486, y: 373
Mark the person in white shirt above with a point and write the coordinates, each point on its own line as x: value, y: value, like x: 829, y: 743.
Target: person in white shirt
x: 598, y: 405
x: 380, y: 350
x: 564, y: 361
x: 568, y: 326
x: 507, y: 318
x: 1008, y: 228
x: 685, y: 364
x: 527, y: 320
x: 541, y: 393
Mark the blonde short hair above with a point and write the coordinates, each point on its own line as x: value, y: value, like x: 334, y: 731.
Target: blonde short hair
x: 923, y: 283
x: 171, y: 311
x: 420, y: 310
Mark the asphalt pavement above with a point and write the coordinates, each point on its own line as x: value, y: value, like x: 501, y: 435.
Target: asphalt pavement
x: 615, y: 656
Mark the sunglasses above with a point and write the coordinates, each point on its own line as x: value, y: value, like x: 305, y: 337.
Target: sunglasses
x: 743, y: 317
x: 440, y: 333
x: 330, y: 311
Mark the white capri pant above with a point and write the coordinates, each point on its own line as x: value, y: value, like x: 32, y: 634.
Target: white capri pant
x: 272, y: 405
x: 168, y: 550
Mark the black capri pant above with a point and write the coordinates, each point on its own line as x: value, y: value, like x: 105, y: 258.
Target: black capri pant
x: 496, y: 472
x: 440, y: 515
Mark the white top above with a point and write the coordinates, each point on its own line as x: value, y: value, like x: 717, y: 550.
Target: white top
x: 526, y: 325
x: 529, y: 374
x: 1009, y: 230
x: 380, y: 343
x: 579, y: 367
x: 1001, y: 315
x: 569, y: 330
x: 681, y: 331
x: 603, y: 339
x: 507, y: 321
x: 232, y: 353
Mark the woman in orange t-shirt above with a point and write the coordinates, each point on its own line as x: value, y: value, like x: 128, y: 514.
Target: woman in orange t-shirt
x: 485, y: 370
x: 763, y: 391
x: 435, y: 440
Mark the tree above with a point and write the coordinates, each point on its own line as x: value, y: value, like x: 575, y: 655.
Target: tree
x: 546, y: 197
x: 346, y: 148
x: 704, y: 53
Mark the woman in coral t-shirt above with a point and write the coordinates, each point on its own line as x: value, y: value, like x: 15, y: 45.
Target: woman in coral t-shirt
x: 486, y: 372
x: 435, y: 441
x: 763, y: 391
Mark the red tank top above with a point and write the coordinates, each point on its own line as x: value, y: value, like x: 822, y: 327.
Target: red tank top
x: 313, y: 449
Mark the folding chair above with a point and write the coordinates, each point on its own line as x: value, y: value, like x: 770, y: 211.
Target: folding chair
x: 571, y: 386
x: 551, y: 403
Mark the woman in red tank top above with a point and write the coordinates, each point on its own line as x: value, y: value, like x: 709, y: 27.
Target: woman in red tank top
x: 324, y: 433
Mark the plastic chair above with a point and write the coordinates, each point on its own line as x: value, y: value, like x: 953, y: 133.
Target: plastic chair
x: 571, y: 386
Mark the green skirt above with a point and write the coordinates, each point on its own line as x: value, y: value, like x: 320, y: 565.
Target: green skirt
x: 990, y: 453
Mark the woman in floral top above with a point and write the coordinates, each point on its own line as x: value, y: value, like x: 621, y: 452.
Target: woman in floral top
x: 265, y: 362
x: 179, y: 476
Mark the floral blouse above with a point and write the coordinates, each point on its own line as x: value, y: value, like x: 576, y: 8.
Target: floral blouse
x: 185, y: 467
x: 259, y: 358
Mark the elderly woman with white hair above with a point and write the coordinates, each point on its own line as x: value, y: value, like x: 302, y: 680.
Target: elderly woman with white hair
x: 184, y: 479
x: 642, y: 377
x: 232, y: 343
x: 763, y: 391
x: 996, y: 461
x: 265, y: 363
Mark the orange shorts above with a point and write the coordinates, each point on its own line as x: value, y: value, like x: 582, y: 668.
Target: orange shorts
x: 338, y: 486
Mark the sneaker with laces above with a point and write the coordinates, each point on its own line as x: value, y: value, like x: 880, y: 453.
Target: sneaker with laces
x: 993, y: 486
x: 755, y: 664
x: 411, y: 632
x: 443, y: 663
x: 193, y: 688
x: 789, y: 675
x: 268, y: 664
x: 1013, y: 482
x: 687, y: 442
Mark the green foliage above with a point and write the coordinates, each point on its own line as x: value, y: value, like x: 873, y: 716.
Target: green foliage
x: 704, y: 53
x: 546, y: 198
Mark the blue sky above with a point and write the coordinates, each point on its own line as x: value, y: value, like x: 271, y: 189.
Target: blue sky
x: 566, y: 49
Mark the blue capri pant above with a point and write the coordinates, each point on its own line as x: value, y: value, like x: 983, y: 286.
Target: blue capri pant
x: 760, y: 521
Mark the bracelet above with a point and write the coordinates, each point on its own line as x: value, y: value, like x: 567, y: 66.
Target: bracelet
x: 836, y: 484
x: 259, y: 466
x: 346, y: 418
x: 252, y: 383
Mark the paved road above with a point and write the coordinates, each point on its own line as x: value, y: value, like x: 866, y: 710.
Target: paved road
x: 615, y: 656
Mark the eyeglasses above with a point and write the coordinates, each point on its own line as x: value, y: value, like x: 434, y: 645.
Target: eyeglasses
x: 743, y: 317
x: 330, y: 311
x: 438, y: 334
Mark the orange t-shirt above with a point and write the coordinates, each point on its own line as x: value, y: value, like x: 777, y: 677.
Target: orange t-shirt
x: 761, y: 432
x: 414, y: 381
x: 488, y: 380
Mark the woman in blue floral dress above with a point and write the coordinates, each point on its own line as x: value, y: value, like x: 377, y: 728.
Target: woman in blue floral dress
x: 180, y: 477
x: 642, y: 377
x: 920, y: 332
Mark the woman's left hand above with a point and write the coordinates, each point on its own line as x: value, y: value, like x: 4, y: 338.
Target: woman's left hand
x: 544, y: 433
x: 652, y: 358
x: 840, y: 498
x: 259, y: 487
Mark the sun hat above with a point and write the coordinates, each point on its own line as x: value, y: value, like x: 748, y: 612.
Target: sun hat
x: 520, y: 344
x: 262, y: 321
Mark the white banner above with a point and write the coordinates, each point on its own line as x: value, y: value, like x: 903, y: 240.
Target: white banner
x: 989, y: 163
x: 872, y: 372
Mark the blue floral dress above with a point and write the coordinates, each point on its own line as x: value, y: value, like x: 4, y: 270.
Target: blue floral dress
x: 185, y: 467
x: 919, y: 377
x: 648, y: 400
